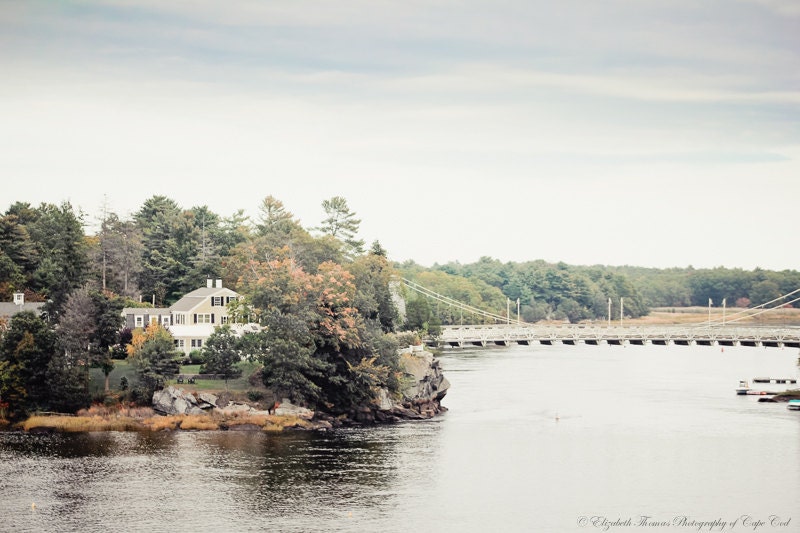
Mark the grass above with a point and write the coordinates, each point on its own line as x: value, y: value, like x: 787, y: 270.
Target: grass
x: 121, y: 418
x: 71, y: 424
x: 123, y: 368
x: 699, y: 315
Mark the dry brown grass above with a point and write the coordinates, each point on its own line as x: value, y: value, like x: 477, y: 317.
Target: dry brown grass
x: 279, y: 423
x: 198, y: 422
x: 126, y: 418
x: 733, y: 317
x: 173, y: 422
x: 72, y: 424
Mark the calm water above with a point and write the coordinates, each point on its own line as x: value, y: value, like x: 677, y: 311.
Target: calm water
x: 536, y: 438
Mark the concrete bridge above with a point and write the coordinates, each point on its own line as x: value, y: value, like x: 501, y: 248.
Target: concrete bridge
x: 529, y: 334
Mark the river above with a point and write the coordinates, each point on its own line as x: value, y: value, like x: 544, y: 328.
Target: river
x: 551, y: 439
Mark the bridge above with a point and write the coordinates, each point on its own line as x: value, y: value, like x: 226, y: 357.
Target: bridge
x: 506, y: 331
x: 529, y: 334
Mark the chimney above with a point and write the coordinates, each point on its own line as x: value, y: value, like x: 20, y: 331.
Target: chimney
x: 19, y: 298
x: 209, y: 282
x: 219, y: 283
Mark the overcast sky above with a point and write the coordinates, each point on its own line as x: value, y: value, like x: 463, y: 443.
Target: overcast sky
x: 653, y: 133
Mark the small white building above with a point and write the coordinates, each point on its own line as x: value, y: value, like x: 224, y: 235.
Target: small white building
x: 18, y: 305
x: 190, y: 320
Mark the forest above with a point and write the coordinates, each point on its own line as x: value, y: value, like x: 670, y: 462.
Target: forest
x: 333, y: 311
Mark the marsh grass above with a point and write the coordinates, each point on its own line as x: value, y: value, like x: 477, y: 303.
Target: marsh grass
x: 74, y: 424
x: 103, y: 418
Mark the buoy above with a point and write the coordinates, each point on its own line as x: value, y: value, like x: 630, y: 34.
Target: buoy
x: 33, y: 505
x: 557, y: 419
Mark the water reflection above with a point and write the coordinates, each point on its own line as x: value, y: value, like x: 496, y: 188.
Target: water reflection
x: 640, y: 430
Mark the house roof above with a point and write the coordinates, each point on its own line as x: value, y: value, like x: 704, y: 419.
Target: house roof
x: 198, y: 296
x: 145, y: 311
x: 11, y: 309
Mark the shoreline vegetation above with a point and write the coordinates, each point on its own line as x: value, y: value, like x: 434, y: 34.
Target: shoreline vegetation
x: 99, y: 418
x: 248, y: 406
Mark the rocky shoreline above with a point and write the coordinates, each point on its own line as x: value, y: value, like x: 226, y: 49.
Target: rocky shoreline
x: 174, y: 408
x: 420, y: 399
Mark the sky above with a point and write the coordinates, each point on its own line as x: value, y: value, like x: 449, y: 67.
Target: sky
x: 657, y: 133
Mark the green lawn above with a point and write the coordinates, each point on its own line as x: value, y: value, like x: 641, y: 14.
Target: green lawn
x: 121, y: 368
x: 124, y: 368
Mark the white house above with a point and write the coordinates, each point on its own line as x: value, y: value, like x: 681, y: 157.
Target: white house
x: 9, y: 309
x: 190, y: 320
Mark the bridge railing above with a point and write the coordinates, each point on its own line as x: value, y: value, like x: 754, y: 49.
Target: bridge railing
x: 528, y: 333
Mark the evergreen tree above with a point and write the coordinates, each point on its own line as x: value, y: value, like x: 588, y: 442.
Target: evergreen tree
x: 341, y: 223
x: 221, y: 354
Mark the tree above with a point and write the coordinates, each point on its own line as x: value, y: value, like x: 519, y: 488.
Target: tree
x: 275, y: 219
x: 290, y: 366
x: 420, y: 317
x: 373, y: 276
x: 117, y: 255
x: 342, y: 224
x: 58, y: 234
x: 765, y: 291
x: 166, y: 254
x: 221, y: 354
x: 25, y: 353
x: 155, y: 358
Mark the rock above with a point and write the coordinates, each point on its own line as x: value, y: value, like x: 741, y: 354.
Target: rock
x: 384, y: 401
x: 172, y: 401
x: 287, y: 408
x: 428, y: 382
x: 207, y: 400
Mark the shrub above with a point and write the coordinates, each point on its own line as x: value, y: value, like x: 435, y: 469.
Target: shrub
x: 255, y: 395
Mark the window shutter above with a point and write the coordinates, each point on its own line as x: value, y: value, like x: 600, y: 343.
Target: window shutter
x: 195, y: 318
x: 212, y: 318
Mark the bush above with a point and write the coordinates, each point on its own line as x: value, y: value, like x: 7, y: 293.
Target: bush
x: 255, y: 395
x: 196, y: 357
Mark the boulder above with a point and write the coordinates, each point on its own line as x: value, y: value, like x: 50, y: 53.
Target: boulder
x: 287, y: 408
x: 206, y: 400
x: 172, y: 401
x: 427, y: 382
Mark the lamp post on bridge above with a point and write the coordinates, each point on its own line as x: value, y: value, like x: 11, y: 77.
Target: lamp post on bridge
x: 609, y: 312
x: 508, y: 310
x: 518, y: 318
x: 709, y: 312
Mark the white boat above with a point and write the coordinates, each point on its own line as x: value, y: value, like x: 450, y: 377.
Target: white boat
x: 794, y: 405
x: 744, y: 388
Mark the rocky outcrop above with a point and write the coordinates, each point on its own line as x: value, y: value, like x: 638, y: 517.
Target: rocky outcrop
x: 419, y: 399
x: 424, y: 387
x: 172, y: 401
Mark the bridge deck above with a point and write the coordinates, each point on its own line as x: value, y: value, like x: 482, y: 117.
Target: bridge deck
x: 506, y: 334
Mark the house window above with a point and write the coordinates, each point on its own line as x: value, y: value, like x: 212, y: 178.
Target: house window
x: 216, y: 301
x: 165, y: 320
x: 180, y: 318
x: 139, y: 321
x: 197, y: 343
x: 204, y: 318
x: 179, y: 343
x: 223, y: 319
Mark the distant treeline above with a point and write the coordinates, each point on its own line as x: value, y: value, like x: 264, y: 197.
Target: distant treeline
x: 560, y: 291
